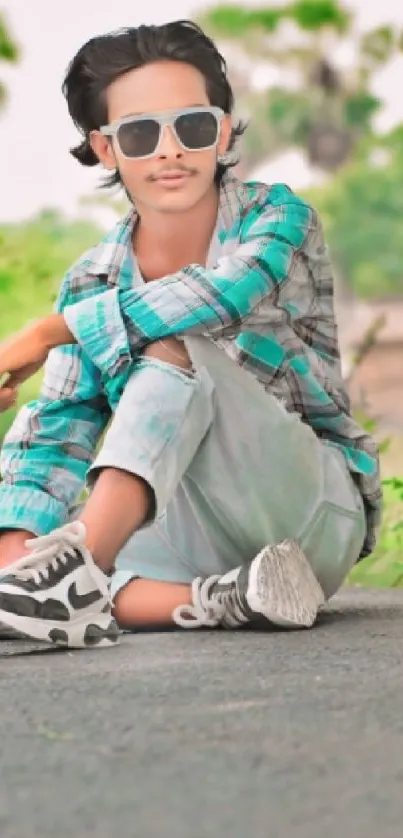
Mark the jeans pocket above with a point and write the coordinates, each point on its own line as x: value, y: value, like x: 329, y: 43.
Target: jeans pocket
x: 332, y: 543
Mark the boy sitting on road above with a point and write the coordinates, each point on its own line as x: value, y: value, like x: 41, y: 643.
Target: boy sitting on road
x: 232, y: 484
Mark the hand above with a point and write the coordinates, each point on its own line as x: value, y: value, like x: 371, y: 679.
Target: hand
x: 22, y: 355
x: 8, y: 398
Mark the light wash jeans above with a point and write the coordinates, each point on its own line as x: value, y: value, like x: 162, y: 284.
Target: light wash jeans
x: 231, y: 471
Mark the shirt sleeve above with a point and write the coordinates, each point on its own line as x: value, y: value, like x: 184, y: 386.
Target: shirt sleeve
x: 48, y: 449
x: 117, y: 324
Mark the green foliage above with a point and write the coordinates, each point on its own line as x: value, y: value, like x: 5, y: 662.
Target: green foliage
x: 384, y: 568
x: 359, y: 108
x: 362, y: 210
x: 267, y: 19
x: 33, y: 259
x: 378, y: 45
x: 291, y: 114
x: 326, y: 111
x: 234, y: 20
x: 313, y: 15
x: 8, y: 52
x: 8, y: 47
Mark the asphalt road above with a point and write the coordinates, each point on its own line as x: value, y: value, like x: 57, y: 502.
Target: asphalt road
x: 211, y: 735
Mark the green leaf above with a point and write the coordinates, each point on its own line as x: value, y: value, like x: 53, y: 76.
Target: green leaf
x: 266, y: 19
x: 234, y: 21
x: 8, y: 48
x: 227, y: 21
x: 316, y: 14
x: 378, y: 44
x: 359, y: 108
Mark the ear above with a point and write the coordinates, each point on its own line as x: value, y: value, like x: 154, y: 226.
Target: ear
x: 103, y: 148
x: 225, y: 134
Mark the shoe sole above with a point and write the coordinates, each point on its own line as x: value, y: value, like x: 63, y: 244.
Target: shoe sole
x: 283, y: 588
x: 101, y: 633
x: 8, y: 633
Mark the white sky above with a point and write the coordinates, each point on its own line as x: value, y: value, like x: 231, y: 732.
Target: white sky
x: 36, y: 169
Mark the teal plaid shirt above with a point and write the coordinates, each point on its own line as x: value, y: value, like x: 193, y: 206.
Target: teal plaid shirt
x: 268, y: 301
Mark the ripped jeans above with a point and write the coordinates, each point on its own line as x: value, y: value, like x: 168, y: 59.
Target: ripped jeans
x: 231, y: 471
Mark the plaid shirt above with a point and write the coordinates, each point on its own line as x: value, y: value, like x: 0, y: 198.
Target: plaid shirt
x: 267, y: 300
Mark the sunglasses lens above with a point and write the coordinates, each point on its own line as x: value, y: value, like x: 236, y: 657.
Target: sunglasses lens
x: 197, y: 130
x: 138, y: 138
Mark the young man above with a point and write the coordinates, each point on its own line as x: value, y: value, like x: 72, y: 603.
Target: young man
x: 232, y: 484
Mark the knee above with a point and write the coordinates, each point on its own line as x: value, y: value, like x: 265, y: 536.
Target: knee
x: 170, y: 350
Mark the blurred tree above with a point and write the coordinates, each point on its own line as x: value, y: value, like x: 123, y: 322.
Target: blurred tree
x: 317, y: 105
x: 8, y: 52
x: 34, y: 256
x: 362, y: 211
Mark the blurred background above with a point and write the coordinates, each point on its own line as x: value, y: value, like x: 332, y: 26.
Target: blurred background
x: 321, y: 83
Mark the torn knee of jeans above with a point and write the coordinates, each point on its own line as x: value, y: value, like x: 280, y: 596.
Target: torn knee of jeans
x: 189, y: 373
x: 171, y: 351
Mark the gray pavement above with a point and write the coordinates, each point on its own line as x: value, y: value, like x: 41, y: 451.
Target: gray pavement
x: 228, y: 735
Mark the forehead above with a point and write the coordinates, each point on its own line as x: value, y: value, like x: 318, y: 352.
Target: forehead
x: 161, y: 86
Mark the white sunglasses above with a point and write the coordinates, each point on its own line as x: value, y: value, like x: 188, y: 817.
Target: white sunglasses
x: 196, y: 129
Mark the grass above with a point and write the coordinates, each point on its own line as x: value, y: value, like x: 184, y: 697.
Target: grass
x: 384, y: 568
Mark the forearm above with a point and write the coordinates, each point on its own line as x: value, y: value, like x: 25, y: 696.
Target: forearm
x: 55, y: 331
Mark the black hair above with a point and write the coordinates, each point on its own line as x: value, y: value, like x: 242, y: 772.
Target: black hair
x: 105, y: 58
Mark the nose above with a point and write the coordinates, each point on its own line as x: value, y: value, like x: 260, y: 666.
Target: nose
x: 169, y: 146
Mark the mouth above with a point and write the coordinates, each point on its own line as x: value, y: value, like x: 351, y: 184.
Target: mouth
x: 172, y: 178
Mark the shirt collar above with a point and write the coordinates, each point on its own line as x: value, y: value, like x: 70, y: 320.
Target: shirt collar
x: 106, y: 258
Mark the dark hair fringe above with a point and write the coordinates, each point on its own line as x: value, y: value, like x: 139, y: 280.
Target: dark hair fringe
x: 104, y: 59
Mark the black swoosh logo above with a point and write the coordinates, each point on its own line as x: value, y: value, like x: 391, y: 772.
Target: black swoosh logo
x: 78, y: 601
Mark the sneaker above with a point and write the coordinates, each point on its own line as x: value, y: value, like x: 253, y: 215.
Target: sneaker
x: 57, y: 594
x: 278, y: 585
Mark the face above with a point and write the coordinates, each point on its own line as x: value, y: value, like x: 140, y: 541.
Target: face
x: 172, y: 179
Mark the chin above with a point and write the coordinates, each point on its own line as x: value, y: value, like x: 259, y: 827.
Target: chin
x: 181, y: 201
x: 177, y: 203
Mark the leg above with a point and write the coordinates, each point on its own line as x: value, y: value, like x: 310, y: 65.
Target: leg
x: 126, y: 495
x: 146, y: 603
x: 268, y: 478
x: 129, y: 500
x: 253, y: 476
x: 58, y: 593
x: 260, y: 476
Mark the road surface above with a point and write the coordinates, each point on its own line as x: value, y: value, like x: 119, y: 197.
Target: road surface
x: 211, y: 734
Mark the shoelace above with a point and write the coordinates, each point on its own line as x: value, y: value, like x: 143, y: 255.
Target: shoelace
x: 51, y: 551
x: 234, y: 615
x: 205, y: 611
x: 210, y: 608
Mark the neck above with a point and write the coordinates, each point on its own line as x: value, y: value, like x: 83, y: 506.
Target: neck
x: 176, y: 233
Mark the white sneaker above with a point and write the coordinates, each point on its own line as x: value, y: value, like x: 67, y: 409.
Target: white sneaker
x: 57, y: 594
x: 278, y: 585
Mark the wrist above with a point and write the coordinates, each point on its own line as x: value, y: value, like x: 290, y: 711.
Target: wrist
x: 55, y: 331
